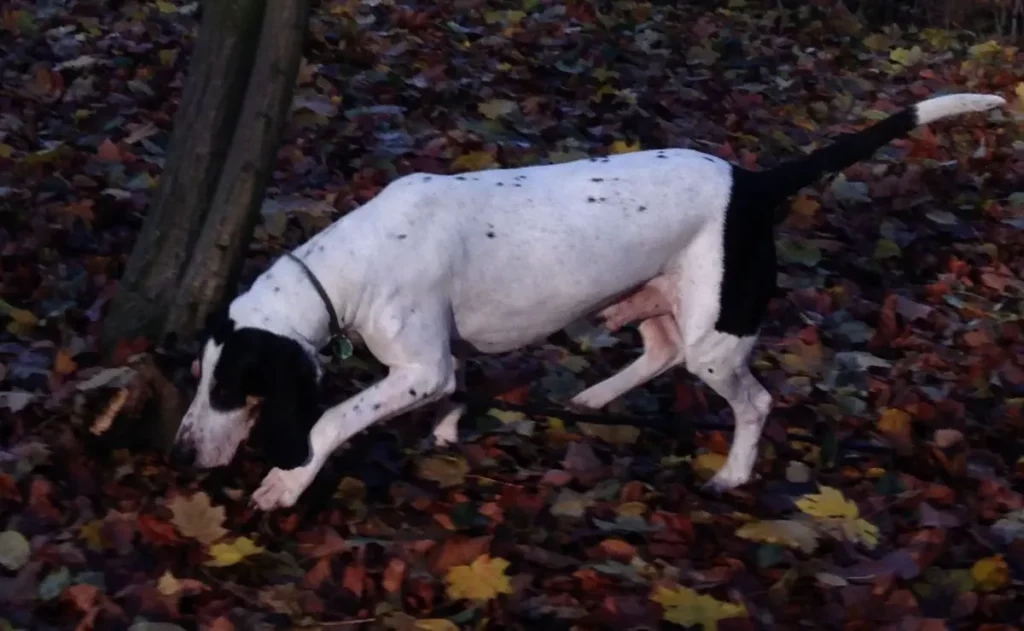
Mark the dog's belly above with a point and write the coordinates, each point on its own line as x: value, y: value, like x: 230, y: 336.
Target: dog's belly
x: 505, y: 305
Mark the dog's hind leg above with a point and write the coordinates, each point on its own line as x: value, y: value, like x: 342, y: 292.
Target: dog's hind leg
x: 720, y: 360
x: 663, y: 349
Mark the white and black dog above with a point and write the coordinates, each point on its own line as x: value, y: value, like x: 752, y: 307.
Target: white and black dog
x: 681, y: 241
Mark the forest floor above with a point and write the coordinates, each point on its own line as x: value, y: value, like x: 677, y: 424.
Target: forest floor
x: 889, y: 487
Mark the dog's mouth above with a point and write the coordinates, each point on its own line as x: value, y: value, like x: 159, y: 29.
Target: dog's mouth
x: 252, y: 411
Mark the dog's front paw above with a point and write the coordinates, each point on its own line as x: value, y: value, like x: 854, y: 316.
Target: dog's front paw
x: 282, y: 488
x: 727, y: 479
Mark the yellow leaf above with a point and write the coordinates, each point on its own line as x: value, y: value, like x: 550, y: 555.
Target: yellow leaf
x: 225, y: 554
x: 805, y: 206
x: 6, y: 150
x: 167, y: 584
x: 165, y: 7
x: 92, y: 534
x: 474, y: 161
x: 496, y: 108
x: 906, y: 57
x: 631, y: 509
x: 793, y: 534
x: 195, y: 517
x: 484, y: 579
x: 445, y: 470
x: 708, y: 464
x: 21, y: 316
x: 685, y: 607
x: 621, y: 146
x: 938, y: 38
x: 830, y: 502
x: 990, y: 573
x: 436, y: 624
x: 852, y: 529
x: 877, y: 42
x: 506, y: 416
x: 895, y: 423
x: 990, y: 48
x: 1020, y: 91
x: 63, y: 364
x: 611, y: 434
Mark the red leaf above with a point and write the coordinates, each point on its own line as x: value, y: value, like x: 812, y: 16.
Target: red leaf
x: 157, y: 531
x: 353, y: 579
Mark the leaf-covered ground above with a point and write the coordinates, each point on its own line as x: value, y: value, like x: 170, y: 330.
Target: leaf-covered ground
x: 889, y: 487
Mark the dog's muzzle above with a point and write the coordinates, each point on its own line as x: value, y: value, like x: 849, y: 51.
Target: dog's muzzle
x: 183, y: 454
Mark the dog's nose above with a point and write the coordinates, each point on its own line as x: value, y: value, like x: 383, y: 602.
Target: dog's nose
x: 182, y: 455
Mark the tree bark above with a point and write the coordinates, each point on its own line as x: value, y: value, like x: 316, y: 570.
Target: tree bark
x: 217, y: 257
x: 204, y: 127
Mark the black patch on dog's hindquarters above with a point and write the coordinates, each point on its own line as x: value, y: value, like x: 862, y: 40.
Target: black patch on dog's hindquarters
x: 748, y: 277
x: 276, y: 370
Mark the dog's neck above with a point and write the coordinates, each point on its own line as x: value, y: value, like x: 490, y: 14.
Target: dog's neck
x: 282, y: 300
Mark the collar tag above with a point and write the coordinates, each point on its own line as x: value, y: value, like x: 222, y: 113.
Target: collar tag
x: 342, y: 347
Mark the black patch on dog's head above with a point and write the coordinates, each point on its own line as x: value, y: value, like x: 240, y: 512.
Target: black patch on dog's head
x: 275, y: 369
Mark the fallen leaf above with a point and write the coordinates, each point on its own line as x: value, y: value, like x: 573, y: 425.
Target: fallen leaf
x: 226, y: 554
x: 482, y: 580
x: 195, y: 517
x: 621, y: 146
x: 496, y: 108
x: 793, y: 534
x: 14, y: 549
x: 685, y: 607
x: 445, y: 470
x: 990, y: 573
x: 708, y: 463
x: 436, y: 624
x: 828, y: 503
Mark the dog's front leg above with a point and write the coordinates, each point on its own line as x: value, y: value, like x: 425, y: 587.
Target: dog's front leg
x: 405, y: 388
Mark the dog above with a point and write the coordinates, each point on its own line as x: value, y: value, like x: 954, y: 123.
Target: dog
x: 678, y: 240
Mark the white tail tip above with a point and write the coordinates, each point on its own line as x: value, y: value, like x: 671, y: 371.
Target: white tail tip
x: 953, y: 104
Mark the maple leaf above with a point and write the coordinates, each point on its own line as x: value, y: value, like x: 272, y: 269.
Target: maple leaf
x: 685, y: 607
x: 436, y: 624
x: 990, y: 573
x: 829, y: 502
x: 195, y: 517
x: 14, y: 549
x: 621, y: 146
x: 226, y: 554
x: 496, y: 108
x: 708, y: 463
x: 793, y: 534
x: 474, y: 161
x: 483, y: 579
x: 445, y: 470
x: 170, y: 585
x: 838, y: 516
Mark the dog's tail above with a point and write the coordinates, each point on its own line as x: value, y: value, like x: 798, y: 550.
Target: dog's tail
x: 790, y: 177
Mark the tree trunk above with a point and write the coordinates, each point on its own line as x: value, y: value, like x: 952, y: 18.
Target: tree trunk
x: 203, y: 130
x: 217, y: 257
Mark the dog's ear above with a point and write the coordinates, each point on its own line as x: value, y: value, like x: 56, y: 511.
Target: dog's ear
x: 289, y: 407
x: 218, y: 326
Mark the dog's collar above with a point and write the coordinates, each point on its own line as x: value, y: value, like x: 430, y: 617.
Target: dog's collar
x: 333, y: 324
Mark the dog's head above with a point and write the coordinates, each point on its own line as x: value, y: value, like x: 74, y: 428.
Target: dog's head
x: 249, y: 379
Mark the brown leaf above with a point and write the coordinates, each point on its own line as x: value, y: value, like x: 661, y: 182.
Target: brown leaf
x: 459, y: 550
x: 317, y: 574
x: 195, y: 517
x: 394, y: 574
